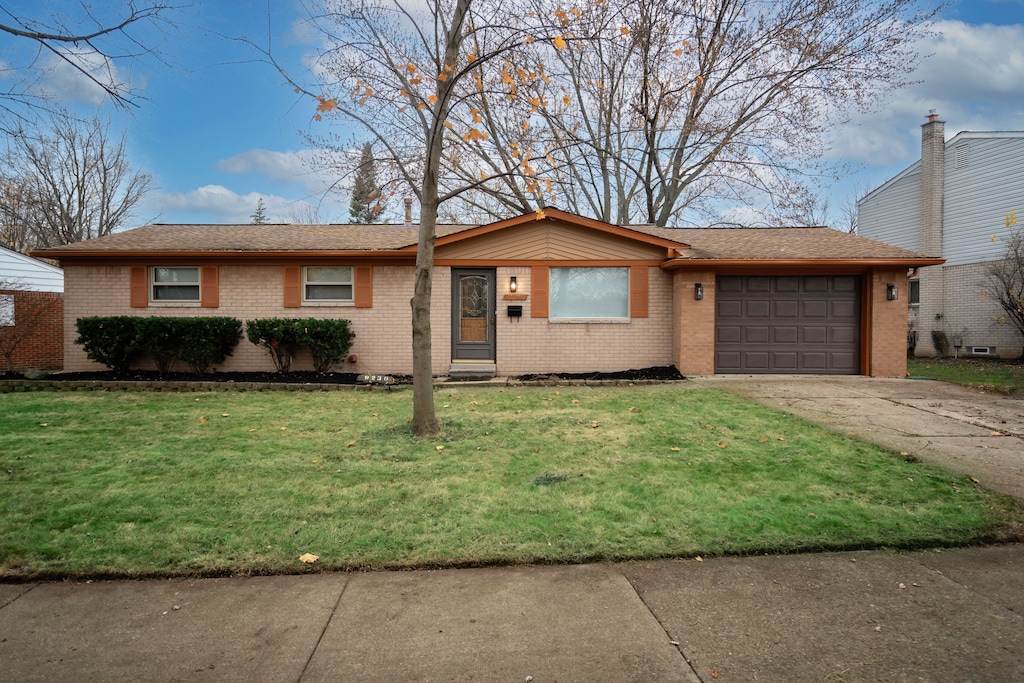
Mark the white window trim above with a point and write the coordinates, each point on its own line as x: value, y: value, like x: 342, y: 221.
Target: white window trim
x: 332, y: 303
x: 593, y: 321
x: 177, y: 303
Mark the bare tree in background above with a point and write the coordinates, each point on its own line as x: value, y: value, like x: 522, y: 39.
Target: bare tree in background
x: 68, y: 183
x: 97, y: 40
x: 686, y: 107
x: 1005, y: 282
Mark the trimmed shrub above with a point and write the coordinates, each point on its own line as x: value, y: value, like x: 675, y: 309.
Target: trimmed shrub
x: 204, y: 342
x: 281, y: 337
x: 941, y: 342
x: 159, y: 338
x: 328, y: 340
x: 112, y: 341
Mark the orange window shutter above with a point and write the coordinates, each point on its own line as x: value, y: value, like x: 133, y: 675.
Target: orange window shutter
x: 210, y: 290
x: 639, y: 291
x: 364, y: 286
x: 539, y: 292
x: 139, y: 287
x: 292, y: 287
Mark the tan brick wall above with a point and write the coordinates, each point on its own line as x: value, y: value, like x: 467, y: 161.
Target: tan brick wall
x: 969, y: 314
x: 35, y: 342
x: 693, y: 323
x: 888, y: 324
x: 529, y: 345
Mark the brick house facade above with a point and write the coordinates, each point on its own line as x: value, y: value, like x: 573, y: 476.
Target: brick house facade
x: 31, y: 314
x: 542, y: 292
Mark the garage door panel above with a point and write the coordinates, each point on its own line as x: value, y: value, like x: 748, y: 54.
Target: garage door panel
x: 787, y: 334
x: 788, y: 324
x: 730, y: 334
x: 758, y: 308
x: 757, y: 334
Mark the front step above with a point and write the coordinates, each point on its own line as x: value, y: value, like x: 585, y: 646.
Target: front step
x: 472, y: 371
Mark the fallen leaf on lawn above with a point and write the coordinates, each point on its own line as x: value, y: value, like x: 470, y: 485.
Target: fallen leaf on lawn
x: 811, y: 514
x: 440, y: 448
x: 699, y: 558
x: 634, y: 409
x: 315, y: 460
x: 723, y: 444
x: 972, y: 479
x: 595, y: 424
x: 309, y: 558
x: 44, y: 424
x: 709, y: 426
x: 284, y: 429
x: 224, y: 415
x: 350, y: 444
x: 675, y: 448
x: 203, y: 420
x: 373, y: 414
x: 780, y: 438
x: 575, y: 400
x: 762, y: 439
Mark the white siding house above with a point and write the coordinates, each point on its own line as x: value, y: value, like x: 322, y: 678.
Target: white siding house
x: 25, y: 273
x: 961, y: 202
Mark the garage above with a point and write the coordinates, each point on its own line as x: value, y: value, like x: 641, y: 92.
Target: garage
x: 788, y: 324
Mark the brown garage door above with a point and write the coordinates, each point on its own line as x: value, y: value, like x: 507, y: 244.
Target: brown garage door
x: 806, y: 325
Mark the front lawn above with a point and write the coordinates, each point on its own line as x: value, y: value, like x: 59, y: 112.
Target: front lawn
x: 147, y: 484
x: 995, y: 375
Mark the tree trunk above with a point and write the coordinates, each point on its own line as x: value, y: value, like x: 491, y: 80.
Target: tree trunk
x: 424, y: 419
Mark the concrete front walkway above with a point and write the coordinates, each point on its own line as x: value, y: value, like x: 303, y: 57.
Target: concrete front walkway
x: 952, y: 615
x: 967, y: 431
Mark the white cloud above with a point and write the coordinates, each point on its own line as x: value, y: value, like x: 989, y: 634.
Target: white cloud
x: 218, y: 204
x: 973, y: 77
x: 284, y: 167
x: 65, y: 82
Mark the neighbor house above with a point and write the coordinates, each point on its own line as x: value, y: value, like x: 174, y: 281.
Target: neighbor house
x: 547, y: 291
x: 960, y: 201
x: 31, y: 313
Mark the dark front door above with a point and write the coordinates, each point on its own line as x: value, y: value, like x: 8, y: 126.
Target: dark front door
x: 473, y: 319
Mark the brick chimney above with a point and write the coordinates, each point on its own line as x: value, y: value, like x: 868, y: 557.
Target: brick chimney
x: 933, y: 166
x: 408, y: 212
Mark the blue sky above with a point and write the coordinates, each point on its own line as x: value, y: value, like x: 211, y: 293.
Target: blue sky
x: 218, y: 129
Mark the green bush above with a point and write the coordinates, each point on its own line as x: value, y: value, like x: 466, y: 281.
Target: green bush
x: 281, y: 337
x: 118, y: 341
x: 159, y: 338
x: 941, y: 342
x: 112, y: 341
x: 328, y: 340
x: 203, y: 342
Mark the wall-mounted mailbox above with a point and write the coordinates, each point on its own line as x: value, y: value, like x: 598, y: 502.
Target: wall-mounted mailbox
x: 515, y: 311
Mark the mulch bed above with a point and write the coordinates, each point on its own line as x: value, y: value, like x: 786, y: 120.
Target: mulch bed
x: 664, y: 373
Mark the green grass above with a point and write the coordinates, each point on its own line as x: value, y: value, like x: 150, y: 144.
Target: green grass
x: 1003, y: 376
x: 149, y: 484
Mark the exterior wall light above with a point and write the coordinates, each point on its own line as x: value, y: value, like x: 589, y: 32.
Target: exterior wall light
x: 698, y: 291
x: 891, y: 293
x: 512, y: 284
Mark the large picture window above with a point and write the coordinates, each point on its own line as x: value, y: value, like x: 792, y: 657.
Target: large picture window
x: 327, y: 284
x: 174, y: 285
x: 589, y: 293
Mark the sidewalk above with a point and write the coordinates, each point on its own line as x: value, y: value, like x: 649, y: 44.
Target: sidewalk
x: 951, y: 615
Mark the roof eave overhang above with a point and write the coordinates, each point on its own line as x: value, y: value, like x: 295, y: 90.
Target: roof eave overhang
x: 792, y: 265
x: 80, y: 257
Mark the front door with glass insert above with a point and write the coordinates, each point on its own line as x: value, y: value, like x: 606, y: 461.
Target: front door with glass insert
x: 473, y: 319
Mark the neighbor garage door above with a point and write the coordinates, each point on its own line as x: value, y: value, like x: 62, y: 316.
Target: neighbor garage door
x: 808, y: 325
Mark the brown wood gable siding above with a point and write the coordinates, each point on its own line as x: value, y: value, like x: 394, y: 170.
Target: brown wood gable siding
x: 549, y: 241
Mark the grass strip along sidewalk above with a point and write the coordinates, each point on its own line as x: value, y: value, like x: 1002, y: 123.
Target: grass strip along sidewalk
x: 1006, y: 377
x: 155, y: 484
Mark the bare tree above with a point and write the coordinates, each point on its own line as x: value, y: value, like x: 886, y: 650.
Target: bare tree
x: 1005, y: 283
x: 410, y: 74
x: 686, y: 107
x: 91, y: 41
x: 69, y: 183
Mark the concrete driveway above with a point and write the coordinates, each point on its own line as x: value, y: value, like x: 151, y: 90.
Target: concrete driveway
x: 967, y: 431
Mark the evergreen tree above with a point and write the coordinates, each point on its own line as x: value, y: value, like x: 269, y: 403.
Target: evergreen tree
x: 259, y: 217
x: 367, y: 204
